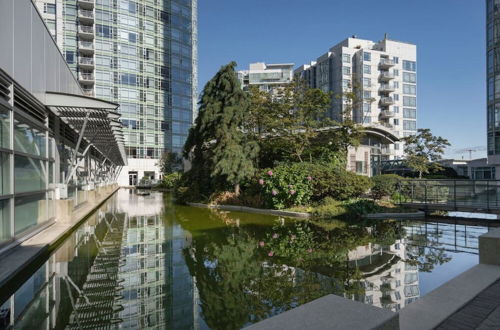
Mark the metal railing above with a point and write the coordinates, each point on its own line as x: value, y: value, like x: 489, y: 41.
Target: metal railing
x: 387, y: 113
x: 86, y: 29
x: 387, y: 100
x: 460, y: 194
x: 386, y: 88
x: 86, y: 60
x: 86, y: 76
x: 86, y: 13
x: 387, y: 62
x: 86, y: 45
x: 386, y: 75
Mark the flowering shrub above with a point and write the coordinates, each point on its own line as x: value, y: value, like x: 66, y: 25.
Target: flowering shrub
x: 286, y: 185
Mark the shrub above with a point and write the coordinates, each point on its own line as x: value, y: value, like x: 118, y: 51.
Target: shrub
x: 286, y: 185
x: 329, y: 208
x: 170, y: 181
x: 360, y: 207
x: 339, y: 184
x: 385, y: 185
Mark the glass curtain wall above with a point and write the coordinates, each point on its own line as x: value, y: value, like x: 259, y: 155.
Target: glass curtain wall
x: 493, y: 74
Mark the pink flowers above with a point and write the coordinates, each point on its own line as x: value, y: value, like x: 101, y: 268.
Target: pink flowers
x: 274, y: 192
x: 270, y: 173
x: 292, y: 237
x: 275, y: 235
x: 271, y: 253
x: 310, y: 250
x: 290, y: 186
x: 292, y: 192
x: 309, y: 178
x: 261, y: 244
x: 261, y: 182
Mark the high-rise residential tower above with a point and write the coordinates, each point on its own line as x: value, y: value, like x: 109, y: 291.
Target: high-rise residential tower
x: 493, y: 80
x: 140, y: 54
x: 384, y: 76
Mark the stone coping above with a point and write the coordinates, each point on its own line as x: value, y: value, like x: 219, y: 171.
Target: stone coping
x: 15, y: 260
x: 401, y: 215
x: 332, y: 312
x: 236, y: 208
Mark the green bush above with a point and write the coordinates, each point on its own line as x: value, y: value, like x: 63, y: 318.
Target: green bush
x: 329, y: 208
x: 385, y: 185
x: 286, y: 185
x: 338, y: 183
x: 360, y: 207
x: 170, y: 181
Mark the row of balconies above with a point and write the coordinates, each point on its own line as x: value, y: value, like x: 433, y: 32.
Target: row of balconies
x: 86, y: 4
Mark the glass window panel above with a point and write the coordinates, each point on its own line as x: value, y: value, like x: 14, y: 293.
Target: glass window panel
x: 4, y: 174
x: 28, y: 139
x: 29, y: 211
x: 28, y: 174
x: 4, y: 128
x: 4, y: 221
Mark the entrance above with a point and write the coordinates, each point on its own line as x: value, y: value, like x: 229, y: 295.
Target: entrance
x: 132, y: 178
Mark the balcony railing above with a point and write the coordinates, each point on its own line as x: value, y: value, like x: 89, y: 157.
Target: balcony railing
x: 86, y: 45
x: 88, y: 92
x: 386, y: 76
x: 386, y: 101
x: 86, y: 15
x: 386, y: 88
x: 387, y: 113
x: 86, y: 76
x: 86, y: 29
x: 386, y: 63
x: 86, y: 61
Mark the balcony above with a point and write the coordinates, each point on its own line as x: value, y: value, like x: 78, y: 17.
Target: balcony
x: 386, y: 63
x: 86, y: 4
x: 86, y: 16
x: 386, y: 76
x: 86, y: 47
x: 386, y: 101
x: 86, y: 32
x: 387, y: 114
x: 86, y: 78
x: 88, y: 92
x: 86, y: 62
x: 386, y: 88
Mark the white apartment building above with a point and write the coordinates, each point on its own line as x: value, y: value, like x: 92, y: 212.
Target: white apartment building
x: 383, y: 74
x: 266, y: 76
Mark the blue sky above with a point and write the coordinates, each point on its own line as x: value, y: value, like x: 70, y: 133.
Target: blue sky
x: 449, y: 34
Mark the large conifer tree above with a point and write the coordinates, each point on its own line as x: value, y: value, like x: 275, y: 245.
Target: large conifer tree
x: 218, y: 144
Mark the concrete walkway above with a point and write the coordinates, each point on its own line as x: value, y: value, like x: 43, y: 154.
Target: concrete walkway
x: 482, y: 312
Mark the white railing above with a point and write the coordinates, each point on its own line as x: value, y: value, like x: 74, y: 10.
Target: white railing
x: 387, y: 75
x: 387, y: 100
x: 87, y: 76
x: 86, y: 29
x: 86, y: 13
x: 387, y: 62
x: 387, y: 113
x: 86, y: 44
x: 86, y: 60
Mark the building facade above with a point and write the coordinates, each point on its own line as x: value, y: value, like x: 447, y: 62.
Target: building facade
x: 55, y: 142
x: 383, y: 76
x: 266, y: 76
x: 140, y: 54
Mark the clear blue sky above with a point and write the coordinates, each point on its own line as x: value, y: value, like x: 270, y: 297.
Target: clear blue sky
x: 449, y: 34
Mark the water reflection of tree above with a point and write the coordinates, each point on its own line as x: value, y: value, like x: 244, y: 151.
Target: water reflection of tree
x: 247, y: 273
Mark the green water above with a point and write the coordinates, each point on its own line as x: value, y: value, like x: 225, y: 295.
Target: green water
x: 143, y: 262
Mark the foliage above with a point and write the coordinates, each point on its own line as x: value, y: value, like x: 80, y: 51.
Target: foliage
x: 217, y: 141
x: 338, y: 183
x: 385, y: 185
x: 170, y: 181
x: 286, y: 185
x: 423, y: 150
x: 170, y: 162
x: 360, y: 207
x: 331, y: 208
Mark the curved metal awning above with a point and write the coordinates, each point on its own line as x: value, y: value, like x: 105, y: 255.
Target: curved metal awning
x: 96, y: 119
x: 386, y: 134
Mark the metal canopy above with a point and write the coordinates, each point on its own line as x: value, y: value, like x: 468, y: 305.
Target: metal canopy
x: 95, y: 120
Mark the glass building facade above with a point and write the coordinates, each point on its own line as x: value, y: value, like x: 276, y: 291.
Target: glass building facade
x: 493, y: 75
x: 140, y: 54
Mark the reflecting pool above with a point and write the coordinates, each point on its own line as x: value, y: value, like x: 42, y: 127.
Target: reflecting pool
x: 143, y: 262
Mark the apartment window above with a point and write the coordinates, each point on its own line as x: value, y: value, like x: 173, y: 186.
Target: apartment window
x: 395, y: 84
x: 395, y: 97
x: 396, y: 72
x: 409, y: 101
x: 367, y: 69
x: 49, y: 8
x: 409, y: 66
x: 104, y: 76
x: 395, y: 109
x: 103, y: 31
x: 367, y: 56
x: 128, y: 79
x: 409, y: 77
x: 409, y: 89
x: 346, y: 83
x: 70, y: 56
x: 360, y: 166
x: 346, y: 70
x: 104, y: 45
x: 367, y: 82
x: 51, y: 24
x: 367, y: 107
x: 346, y: 58
x: 396, y: 121
x: 127, y: 49
x: 395, y: 59
x: 102, y: 15
x: 409, y: 113
x: 409, y: 125
x: 367, y: 94
x: 367, y: 120
x: 128, y: 5
x: 396, y: 147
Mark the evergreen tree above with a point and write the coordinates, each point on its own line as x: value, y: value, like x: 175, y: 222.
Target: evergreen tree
x: 218, y: 144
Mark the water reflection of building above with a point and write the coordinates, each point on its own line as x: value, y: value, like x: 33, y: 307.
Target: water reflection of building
x: 389, y: 281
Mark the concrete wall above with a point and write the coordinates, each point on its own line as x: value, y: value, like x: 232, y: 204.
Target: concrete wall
x: 140, y: 166
x: 29, y: 54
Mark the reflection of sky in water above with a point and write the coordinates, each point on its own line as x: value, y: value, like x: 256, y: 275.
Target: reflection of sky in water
x: 441, y: 274
x: 473, y: 215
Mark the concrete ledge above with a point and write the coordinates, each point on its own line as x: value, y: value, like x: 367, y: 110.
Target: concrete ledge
x: 332, y: 312
x: 489, y: 247
x: 252, y: 210
x: 435, y: 307
x: 16, y: 259
x: 412, y: 215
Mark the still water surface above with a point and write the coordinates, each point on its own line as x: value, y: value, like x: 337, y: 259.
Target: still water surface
x: 142, y: 262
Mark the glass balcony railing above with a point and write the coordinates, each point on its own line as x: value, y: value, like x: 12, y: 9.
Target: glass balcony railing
x: 86, y: 61
x: 386, y: 101
x: 86, y: 13
x: 86, y: 76
x: 385, y: 62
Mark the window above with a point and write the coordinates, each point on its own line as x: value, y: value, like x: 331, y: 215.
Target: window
x: 396, y: 147
x: 346, y: 58
x: 367, y: 56
x: 395, y: 59
x: 367, y: 69
x: 409, y: 66
x: 360, y: 166
x: 51, y: 24
x: 409, y: 77
x: 49, y: 8
x: 395, y: 97
x: 104, y: 31
x: 367, y: 82
x: 127, y: 49
x: 396, y: 121
x: 367, y: 120
x: 103, y: 61
x: 395, y: 84
x: 367, y: 107
x: 409, y: 113
x: 409, y: 101
x: 396, y: 72
x: 346, y: 83
x: 127, y: 93
x: 70, y: 56
x: 395, y: 109
x: 104, y: 45
x: 409, y: 125
x: 104, y: 76
x: 128, y: 79
x: 367, y: 94
x: 409, y: 89
x: 346, y: 70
